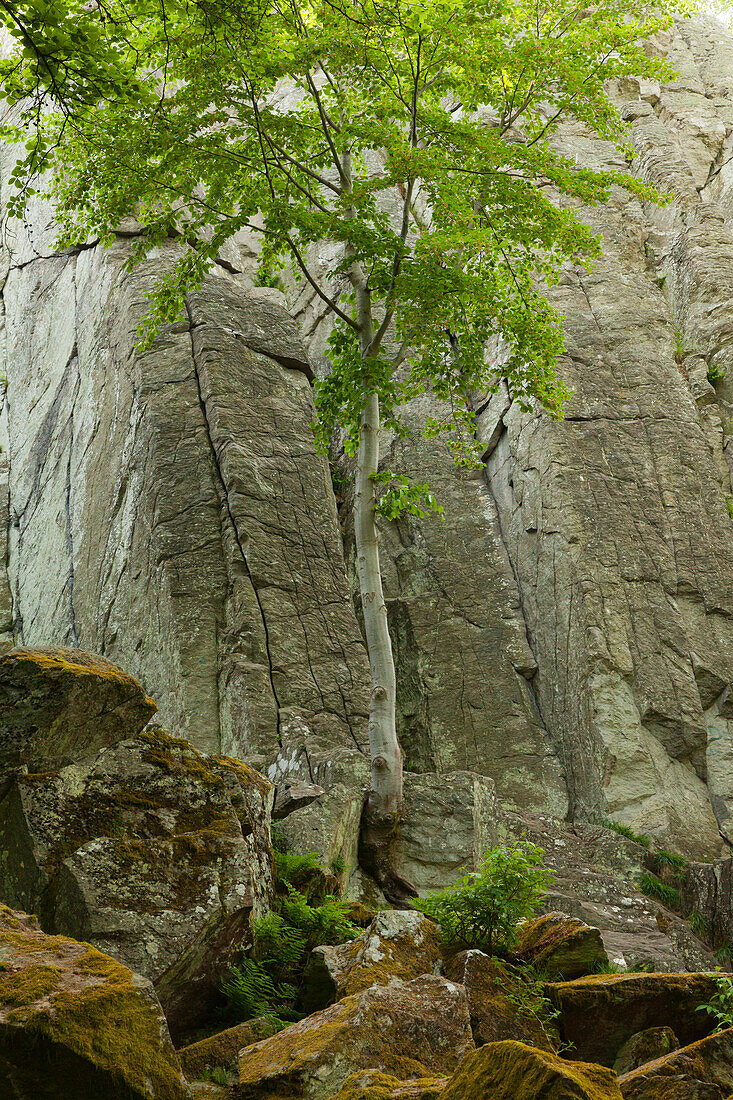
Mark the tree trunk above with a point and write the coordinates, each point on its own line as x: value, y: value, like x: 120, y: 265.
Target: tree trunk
x: 386, y: 794
x: 380, y: 824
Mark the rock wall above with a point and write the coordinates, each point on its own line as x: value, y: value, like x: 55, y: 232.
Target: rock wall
x: 568, y: 631
x: 166, y: 508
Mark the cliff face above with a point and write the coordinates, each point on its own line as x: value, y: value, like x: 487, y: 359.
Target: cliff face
x: 568, y: 631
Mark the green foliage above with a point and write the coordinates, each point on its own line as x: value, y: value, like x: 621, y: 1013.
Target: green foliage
x: 403, y: 495
x: 653, y: 887
x: 729, y: 505
x: 720, y: 1005
x: 484, y: 908
x: 627, y: 831
x: 528, y: 996
x: 716, y: 373
x: 698, y: 924
x: 253, y: 993
x: 669, y: 866
x: 418, y: 138
x: 266, y: 983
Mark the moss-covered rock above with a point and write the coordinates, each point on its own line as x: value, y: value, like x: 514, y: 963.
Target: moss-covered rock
x: 407, y: 1030
x: 700, y: 1071
x: 562, y: 946
x: 599, y: 1014
x: 513, y: 1071
x: 221, y: 1051
x: 398, y: 944
x: 59, y: 705
x: 502, y: 1004
x: 645, y: 1046
x: 152, y: 852
x: 76, y: 1024
x: 372, y: 1084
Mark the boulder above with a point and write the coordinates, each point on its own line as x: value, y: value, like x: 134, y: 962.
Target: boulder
x: 221, y: 1051
x: 448, y: 823
x: 701, y: 1071
x: 564, y: 947
x: 397, y: 944
x: 75, y: 1023
x: 59, y: 705
x: 501, y: 1002
x: 645, y: 1046
x: 408, y: 1030
x: 599, y: 1014
x: 152, y: 852
x: 371, y: 1084
x: 513, y: 1071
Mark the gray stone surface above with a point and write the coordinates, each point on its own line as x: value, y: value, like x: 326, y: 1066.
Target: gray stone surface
x: 566, y: 632
x: 154, y: 853
x: 167, y: 508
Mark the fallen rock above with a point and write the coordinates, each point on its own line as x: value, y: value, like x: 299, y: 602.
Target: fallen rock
x: 645, y: 1046
x: 599, y: 1014
x: 397, y: 944
x: 292, y: 795
x: 513, y: 1071
x: 152, y: 852
x: 371, y: 1084
x: 221, y: 1051
x: 500, y: 1002
x: 75, y: 1024
x: 407, y: 1030
x: 449, y: 821
x: 701, y: 1071
x: 564, y: 947
x: 59, y: 705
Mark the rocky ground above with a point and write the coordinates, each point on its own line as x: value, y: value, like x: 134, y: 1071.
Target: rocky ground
x: 146, y: 863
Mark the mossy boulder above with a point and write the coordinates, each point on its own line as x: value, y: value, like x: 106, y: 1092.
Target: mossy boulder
x: 562, y: 946
x: 514, y: 1071
x: 76, y: 1024
x: 645, y: 1046
x: 599, y: 1014
x: 398, y: 944
x: 502, y: 1003
x: 60, y: 705
x: 151, y: 851
x: 700, y: 1071
x: 372, y: 1084
x: 407, y: 1030
x: 221, y: 1051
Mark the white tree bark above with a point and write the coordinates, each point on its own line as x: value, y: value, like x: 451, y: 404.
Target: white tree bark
x: 386, y: 793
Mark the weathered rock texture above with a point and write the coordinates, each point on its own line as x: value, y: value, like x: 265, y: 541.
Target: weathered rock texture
x: 156, y: 854
x: 568, y: 631
x: 75, y: 1023
x: 60, y: 705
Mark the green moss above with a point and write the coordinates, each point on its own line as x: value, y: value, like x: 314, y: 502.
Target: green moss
x: 26, y: 986
x: 87, y: 1021
x: 512, y: 1071
x: 375, y: 1085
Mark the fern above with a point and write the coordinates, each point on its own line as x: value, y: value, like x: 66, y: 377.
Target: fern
x: 268, y: 982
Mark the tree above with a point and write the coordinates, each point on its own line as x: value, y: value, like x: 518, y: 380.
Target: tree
x: 417, y: 134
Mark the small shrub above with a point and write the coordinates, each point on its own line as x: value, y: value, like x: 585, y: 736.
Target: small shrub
x: 528, y: 995
x: 720, y: 1004
x: 716, y: 374
x: 484, y: 908
x: 653, y: 887
x: 628, y: 832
